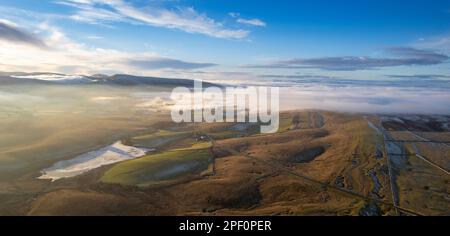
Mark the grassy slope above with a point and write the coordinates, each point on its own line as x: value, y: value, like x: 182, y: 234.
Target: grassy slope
x: 163, y: 166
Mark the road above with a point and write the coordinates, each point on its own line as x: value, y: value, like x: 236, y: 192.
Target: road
x: 389, y: 153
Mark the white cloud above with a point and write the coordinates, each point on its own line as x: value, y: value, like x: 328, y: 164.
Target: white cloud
x: 185, y: 19
x: 94, y: 37
x: 254, y: 22
x: 437, y: 43
x: 234, y: 14
x: 8, y: 23
x: 67, y: 56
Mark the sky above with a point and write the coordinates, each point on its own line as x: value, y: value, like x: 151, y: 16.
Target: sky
x: 353, y: 55
x: 228, y: 40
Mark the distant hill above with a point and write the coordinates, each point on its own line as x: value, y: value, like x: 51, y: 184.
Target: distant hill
x: 130, y: 80
x: 12, y: 78
x: 7, y: 80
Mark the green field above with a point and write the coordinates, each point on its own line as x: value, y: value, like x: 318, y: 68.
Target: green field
x: 164, y: 166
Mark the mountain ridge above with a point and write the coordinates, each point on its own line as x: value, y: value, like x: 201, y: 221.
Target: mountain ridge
x: 44, y: 78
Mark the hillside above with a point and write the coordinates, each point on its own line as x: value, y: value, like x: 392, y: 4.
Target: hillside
x: 320, y: 163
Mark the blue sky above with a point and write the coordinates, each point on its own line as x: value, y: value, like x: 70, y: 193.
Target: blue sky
x: 222, y: 38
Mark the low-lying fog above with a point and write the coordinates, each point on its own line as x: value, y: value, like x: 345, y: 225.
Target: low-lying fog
x: 43, y: 124
x: 368, y: 100
x: 40, y: 101
x: 395, y: 95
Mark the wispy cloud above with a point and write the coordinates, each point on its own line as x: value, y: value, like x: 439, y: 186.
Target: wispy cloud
x: 94, y: 37
x: 12, y: 33
x: 253, y: 22
x: 400, y: 56
x: 166, y: 63
x: 419, y: 82
x: 19, y: 51
x: 441, y: 43
x: 421, y: 77
x: 184, y: 19
x: 297, y: 76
